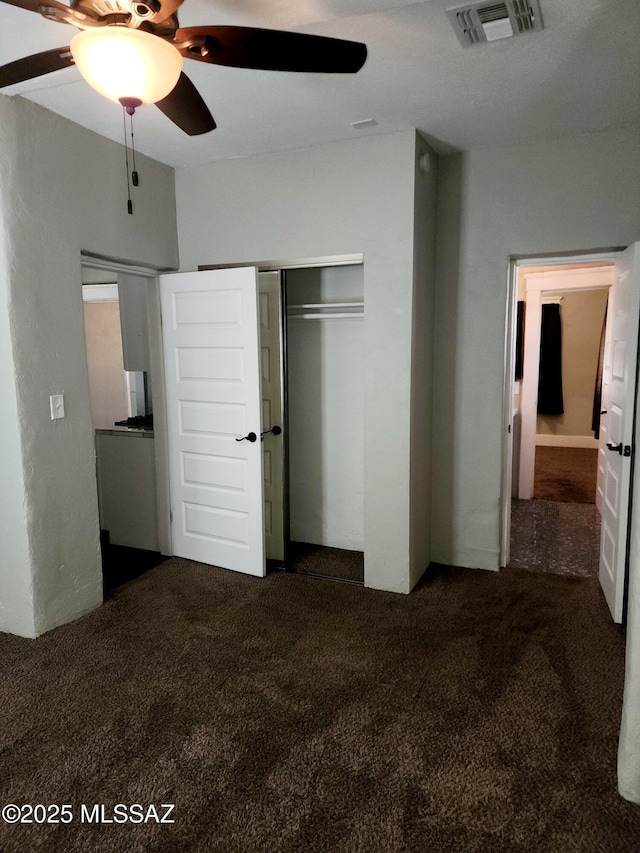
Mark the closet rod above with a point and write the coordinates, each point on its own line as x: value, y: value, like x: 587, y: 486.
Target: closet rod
x: 340, y: 316
x: 312, y: 305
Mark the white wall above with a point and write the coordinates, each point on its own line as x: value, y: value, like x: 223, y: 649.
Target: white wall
x: 564, y: 195
x: 326, y: 411
x: 581, y: 315
x: 108, y: 393
x: 62, y: 191
x: 340, y: 198
x: 16, y: 607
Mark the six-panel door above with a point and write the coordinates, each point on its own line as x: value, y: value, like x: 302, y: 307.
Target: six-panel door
x: 211, y: 350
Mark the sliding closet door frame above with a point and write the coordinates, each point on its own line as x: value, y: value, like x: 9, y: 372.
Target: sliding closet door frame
x: 286, y: 509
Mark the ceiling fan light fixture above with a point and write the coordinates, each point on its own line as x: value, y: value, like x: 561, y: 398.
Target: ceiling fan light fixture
x: 122, y: 63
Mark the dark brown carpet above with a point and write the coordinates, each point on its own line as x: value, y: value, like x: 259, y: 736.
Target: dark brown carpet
x: 548, y: 536
x: 566, y: 474
x: 330, y: 562
x: 479, y: 714
x: 121, y: 564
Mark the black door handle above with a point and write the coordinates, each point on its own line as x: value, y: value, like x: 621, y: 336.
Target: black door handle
x: 615, y: 448
x: 250, y: 437
x: 276, y: 430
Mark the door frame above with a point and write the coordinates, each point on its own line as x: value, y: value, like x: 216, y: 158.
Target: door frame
x: 291, y: 264
x: 156, y: 357
x: 514, y: 263
x: 281, y: 563
x: 282, y: 266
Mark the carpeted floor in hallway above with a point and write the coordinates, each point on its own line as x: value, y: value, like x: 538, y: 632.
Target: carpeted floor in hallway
x: 550, y: 536
x: 566, y: 474
x: 479, y: 714
x: 558, y: 530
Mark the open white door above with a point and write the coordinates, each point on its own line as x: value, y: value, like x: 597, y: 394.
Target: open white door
x: 619, y: 402
x: 603, y: 437
x: 211, y: 350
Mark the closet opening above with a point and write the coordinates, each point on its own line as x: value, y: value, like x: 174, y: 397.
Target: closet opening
x: 312, y: 363
x: 311, y: 360
x: 324, y: 421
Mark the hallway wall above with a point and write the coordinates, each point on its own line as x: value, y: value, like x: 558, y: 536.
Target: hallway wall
x: 565, y: 195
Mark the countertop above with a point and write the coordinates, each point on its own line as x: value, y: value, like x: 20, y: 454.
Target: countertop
x: 122, y: 430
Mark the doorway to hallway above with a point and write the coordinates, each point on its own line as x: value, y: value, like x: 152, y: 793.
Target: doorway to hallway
x: 532, y: 419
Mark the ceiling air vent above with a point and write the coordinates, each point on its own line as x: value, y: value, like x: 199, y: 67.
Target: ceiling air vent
x: 486, y: 21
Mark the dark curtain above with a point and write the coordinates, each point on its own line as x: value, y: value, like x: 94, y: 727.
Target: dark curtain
x: 550, y: 401
x: 597, y: 394
x: 520, y: 341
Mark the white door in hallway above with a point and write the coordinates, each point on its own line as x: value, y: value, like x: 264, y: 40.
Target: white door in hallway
x: 211, y: 353
x: 617, y: 442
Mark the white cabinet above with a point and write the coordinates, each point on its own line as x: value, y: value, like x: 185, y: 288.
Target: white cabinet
x: 132, y: 295
x: 127, y: 496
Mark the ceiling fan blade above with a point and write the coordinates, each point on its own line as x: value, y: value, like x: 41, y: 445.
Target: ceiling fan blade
x: 270, y: 50
x: 185, y: 107
x: 37, y: 5
x: 166, y: 10
x: 35, y: 66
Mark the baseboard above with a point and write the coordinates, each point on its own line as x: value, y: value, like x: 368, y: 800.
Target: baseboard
x: 467, y: 558
x: 585, y: 441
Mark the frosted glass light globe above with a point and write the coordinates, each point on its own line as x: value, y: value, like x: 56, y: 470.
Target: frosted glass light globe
x: 119, y: 62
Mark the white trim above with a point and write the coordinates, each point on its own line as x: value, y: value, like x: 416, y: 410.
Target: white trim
x: 100, y: 292
x: 508, y: 411
x: 300, y: 263
x: 571, y: 258
x: 560, y: 280
x: 586, y: 441
x: 160, y: 425
x: 96, y: 262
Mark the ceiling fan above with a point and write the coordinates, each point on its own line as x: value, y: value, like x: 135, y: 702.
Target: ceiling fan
x: 131, y: 51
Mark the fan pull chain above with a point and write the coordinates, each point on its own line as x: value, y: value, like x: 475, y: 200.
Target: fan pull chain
x: 126, y: 160
x: 134, y: 173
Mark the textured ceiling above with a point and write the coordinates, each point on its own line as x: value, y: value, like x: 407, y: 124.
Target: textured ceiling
x: 580, y: 74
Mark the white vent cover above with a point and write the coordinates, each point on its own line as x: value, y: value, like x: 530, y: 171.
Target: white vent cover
x: 476, y: 23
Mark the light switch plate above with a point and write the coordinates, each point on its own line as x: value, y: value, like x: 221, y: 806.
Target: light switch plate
x: 56, y: 402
